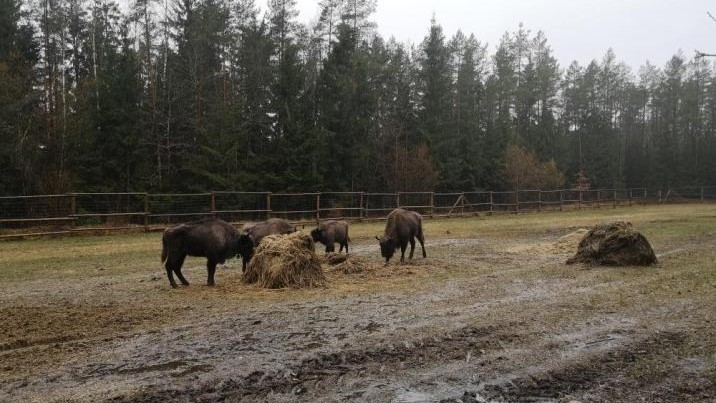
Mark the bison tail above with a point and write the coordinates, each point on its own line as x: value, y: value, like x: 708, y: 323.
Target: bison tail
x: 164, y: 250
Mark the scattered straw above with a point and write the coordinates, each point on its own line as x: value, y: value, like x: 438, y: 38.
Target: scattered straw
x: 344, y: 263
x: 333, y: 258
x: 285, y: 261
x: 351, y: 266
x: 568, y: 243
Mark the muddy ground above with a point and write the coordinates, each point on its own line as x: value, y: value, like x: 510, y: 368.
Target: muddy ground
x: 492, y: 315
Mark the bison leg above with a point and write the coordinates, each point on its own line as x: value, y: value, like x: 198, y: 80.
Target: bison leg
x: 421, y: 239
x: 171, y: 277
x: 243, y: 264
x: 177, y: 270
x: 173, y: 265
x: 211, y: 268
x: 403, y: 246
x: 344, y: 244
x: 181, y: 276
x: 412, y: 247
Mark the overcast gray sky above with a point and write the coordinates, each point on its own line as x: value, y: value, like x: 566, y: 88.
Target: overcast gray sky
x: 637, y: 30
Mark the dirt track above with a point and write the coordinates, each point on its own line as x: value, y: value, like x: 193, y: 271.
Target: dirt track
x: 495, y: 316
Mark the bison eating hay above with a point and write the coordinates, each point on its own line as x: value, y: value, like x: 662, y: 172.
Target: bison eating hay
x: 285, y: 261
x: 614, y: 244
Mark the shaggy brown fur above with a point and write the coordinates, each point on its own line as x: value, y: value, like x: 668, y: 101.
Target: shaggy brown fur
x: 402, y: 226
x: 212, y: 238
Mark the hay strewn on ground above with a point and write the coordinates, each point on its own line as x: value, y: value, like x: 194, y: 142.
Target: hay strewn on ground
x: 614, y: 244
x: 285, y: 261
x: 334, y: 258
x: 568, y: 243
x: 347, y: 264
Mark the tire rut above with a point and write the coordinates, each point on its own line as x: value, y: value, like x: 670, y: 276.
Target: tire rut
x: 327, y: 368
x: 601, y: 374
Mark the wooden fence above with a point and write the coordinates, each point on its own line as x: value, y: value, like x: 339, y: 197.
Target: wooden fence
x: 22, y: 216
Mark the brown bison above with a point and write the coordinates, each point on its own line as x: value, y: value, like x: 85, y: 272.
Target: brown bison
x: 332, y: 231
x: 403, y: 226
x: 212, y: 238
x: 252, y: 234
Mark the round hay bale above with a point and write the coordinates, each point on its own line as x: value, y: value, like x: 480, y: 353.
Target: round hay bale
x: 285, y: 261
x: 614, y: 244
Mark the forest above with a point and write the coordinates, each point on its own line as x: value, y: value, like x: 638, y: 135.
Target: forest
x: 199, y: 95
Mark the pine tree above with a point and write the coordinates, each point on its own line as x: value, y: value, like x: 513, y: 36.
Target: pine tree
x: 436, y: 106
x: 22, y: 151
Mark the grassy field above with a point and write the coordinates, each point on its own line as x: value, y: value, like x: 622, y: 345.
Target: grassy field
x: 493, y: 311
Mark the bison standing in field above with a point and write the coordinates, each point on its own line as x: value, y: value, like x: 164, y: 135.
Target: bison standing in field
x: 212, y: 238
x: 403, y: 226
x: 252, y: 234
x: 332, y: 231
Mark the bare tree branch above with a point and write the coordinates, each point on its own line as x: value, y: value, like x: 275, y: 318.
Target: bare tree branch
x: 702, y: 54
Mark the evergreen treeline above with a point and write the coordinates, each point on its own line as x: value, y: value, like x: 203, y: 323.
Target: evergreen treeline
x: 193, y: 95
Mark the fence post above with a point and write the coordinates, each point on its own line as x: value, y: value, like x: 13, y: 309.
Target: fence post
x: 73, y: 204
x: 598, y: 193
x: 539, y: 200
x: 73, y: 209
x: 579, y: 202
x: 360, y: 206
x: 629, y: 198
x: 462, y: 204
x: 517, y: 201
x: 643, y: 197
x: 614, y: 202
x: 491, y: 202
x: 268, y: 205
x: 397, y: 200
x: 146, y: 212
x: 318, y: 208
x: 432, y: 202
x: 213, y: 203
x: 702, y: 194
x: 365, y: 208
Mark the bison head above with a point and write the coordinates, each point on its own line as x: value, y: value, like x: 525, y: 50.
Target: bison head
x: 245, y: 248
x: 317, y: 235
x: 387, y: 247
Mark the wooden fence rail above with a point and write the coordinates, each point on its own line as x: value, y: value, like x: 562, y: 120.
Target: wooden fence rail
x: 22, y: 216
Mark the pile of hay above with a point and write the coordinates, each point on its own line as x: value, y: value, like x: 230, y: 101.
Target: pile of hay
x: 285, y: 261
x: 614, y: 244
x: 344, y: 263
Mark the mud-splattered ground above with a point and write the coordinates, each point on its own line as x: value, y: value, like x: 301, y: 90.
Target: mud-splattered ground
x: 491, y: 315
